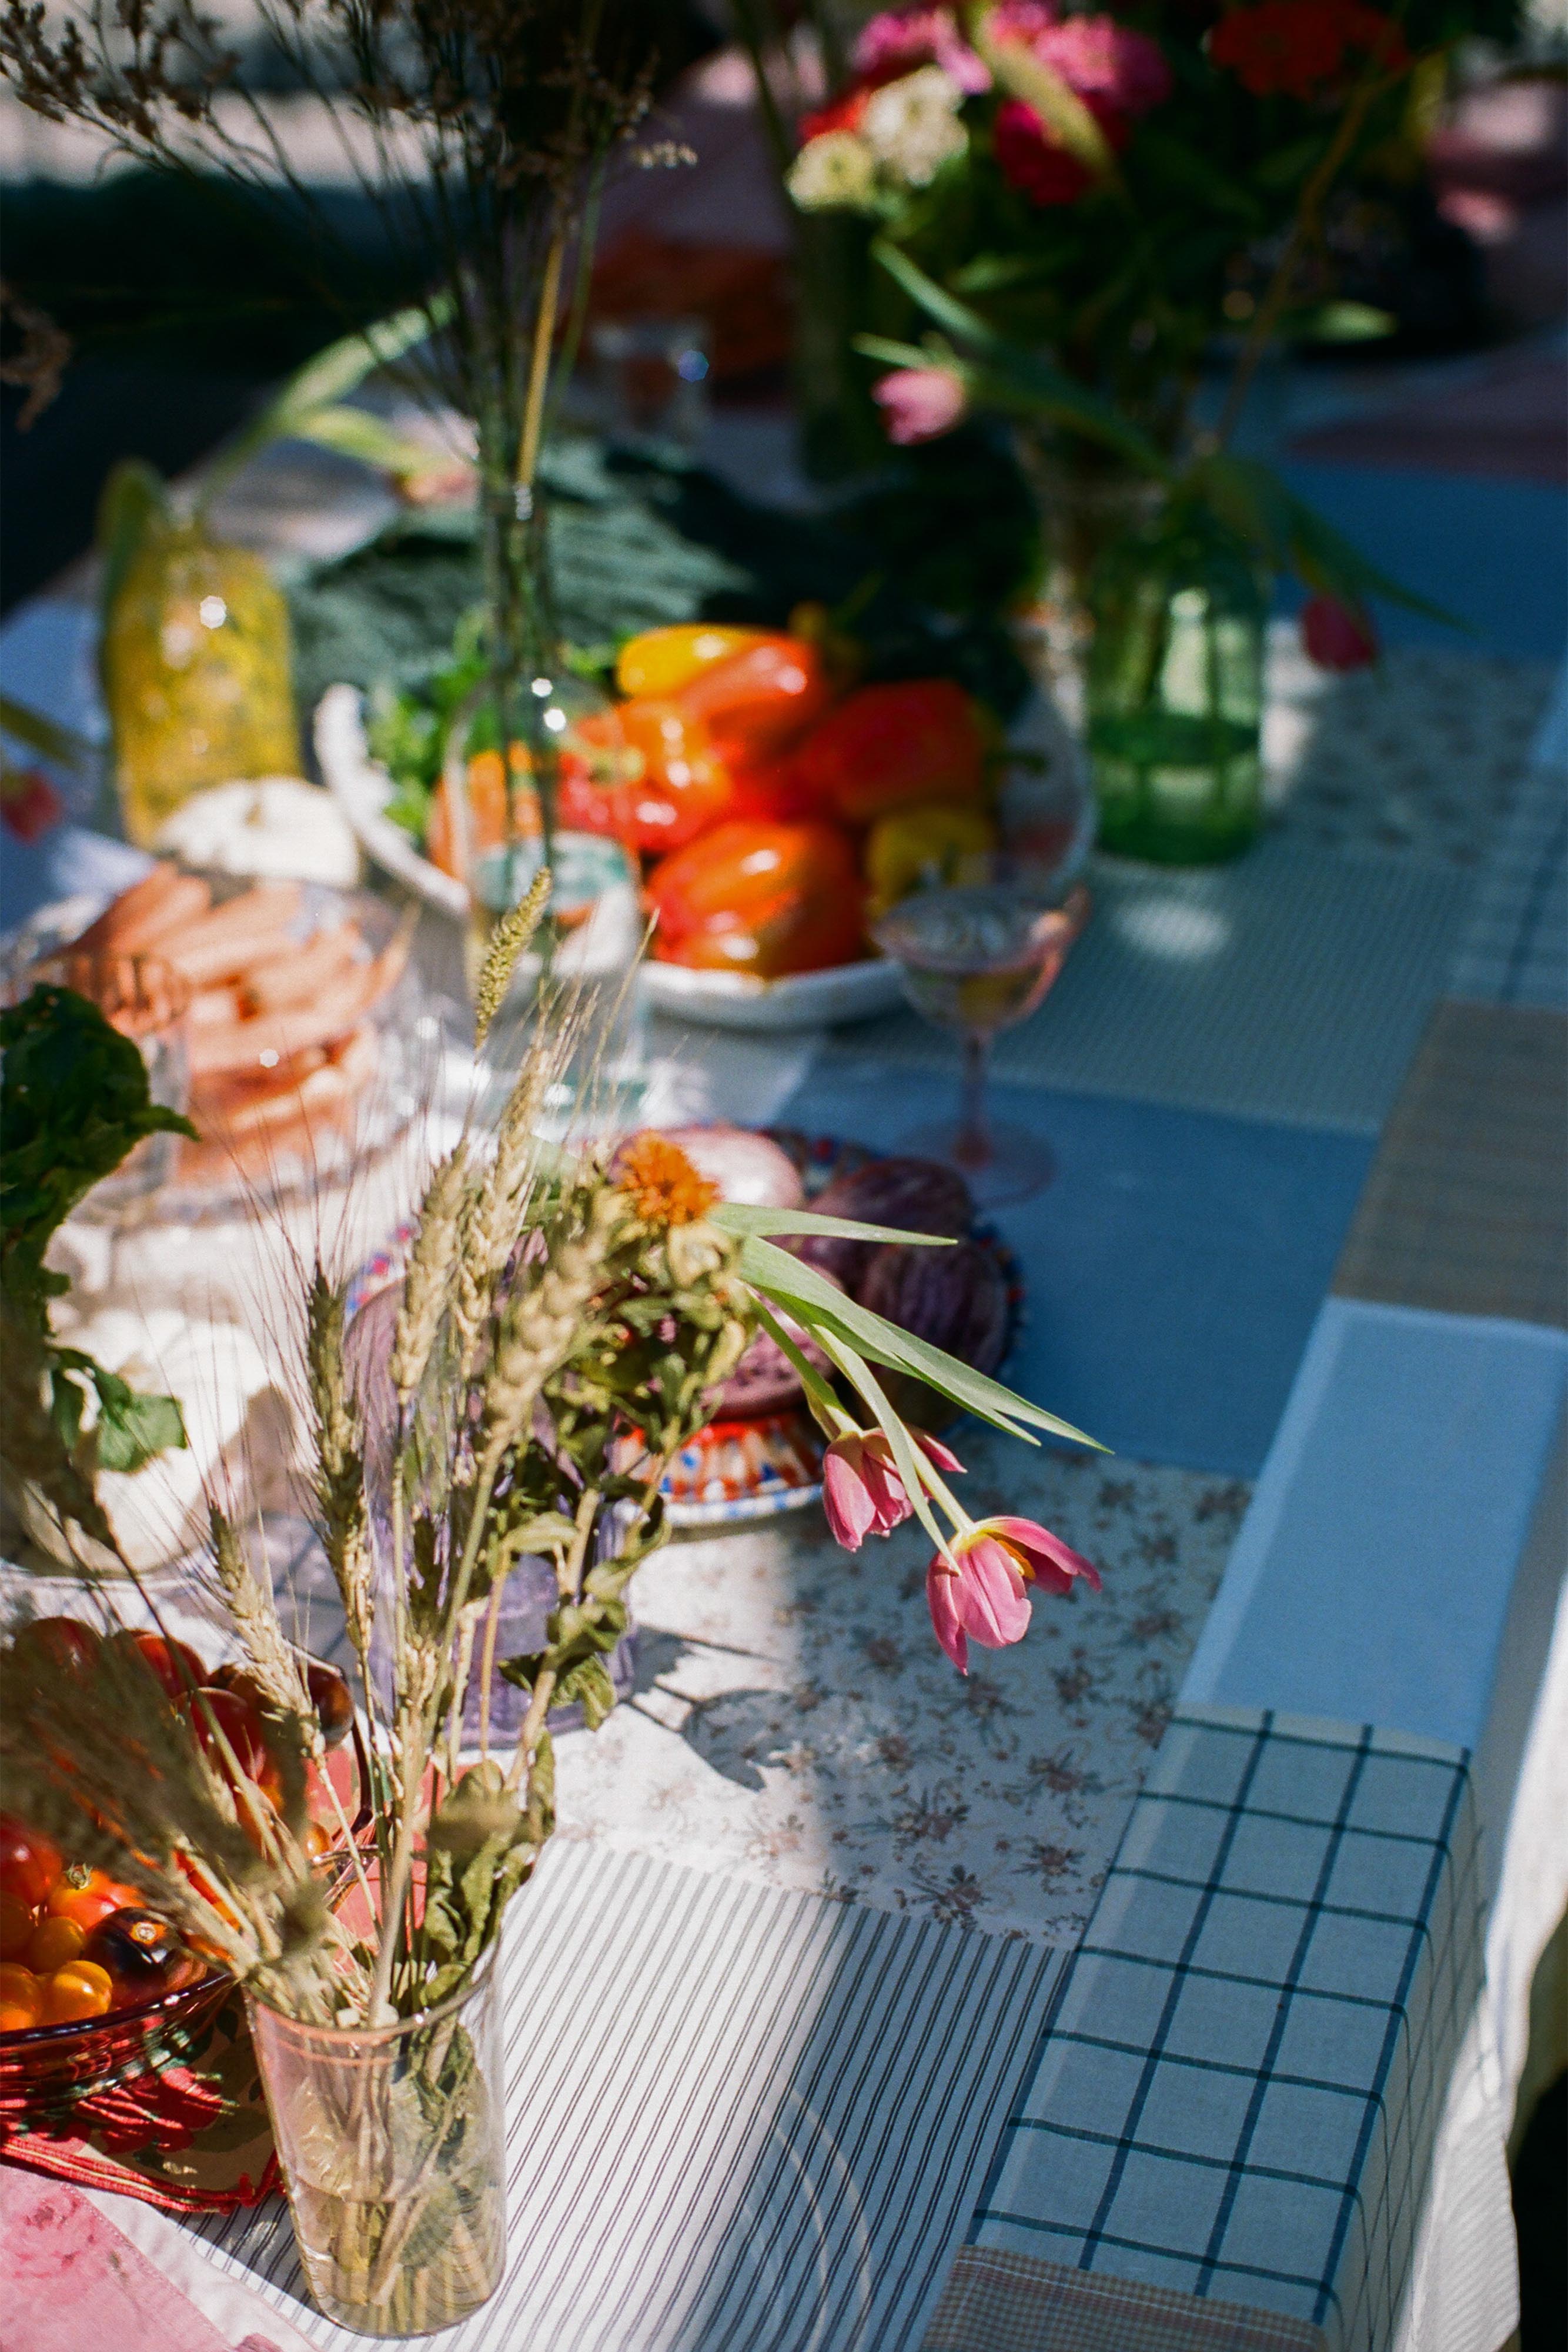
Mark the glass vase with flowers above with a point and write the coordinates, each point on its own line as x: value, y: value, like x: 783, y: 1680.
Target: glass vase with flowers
x: 1079, y: 208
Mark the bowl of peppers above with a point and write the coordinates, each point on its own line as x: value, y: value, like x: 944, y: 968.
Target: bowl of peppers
x: 769, y: 804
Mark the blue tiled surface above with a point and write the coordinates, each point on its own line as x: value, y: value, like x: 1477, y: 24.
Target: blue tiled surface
x: 1172, y: 1270
x: 1493, y: 553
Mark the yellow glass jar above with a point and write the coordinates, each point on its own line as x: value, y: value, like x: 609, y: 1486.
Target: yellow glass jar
x: 197, y: 672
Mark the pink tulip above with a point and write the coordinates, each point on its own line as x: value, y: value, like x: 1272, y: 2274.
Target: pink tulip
x: 920, y: 404
x: 863, y: 1492
x: 1336, y: 636
x: 984, y: 1596
x: 1043, y: 1558
x: 983, y: 1593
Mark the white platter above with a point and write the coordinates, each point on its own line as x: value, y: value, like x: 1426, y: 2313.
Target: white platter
x: 1049, y: 763
x: 733, y: 1000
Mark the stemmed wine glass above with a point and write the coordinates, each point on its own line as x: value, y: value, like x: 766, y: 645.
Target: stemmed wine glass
x: 977, y: 958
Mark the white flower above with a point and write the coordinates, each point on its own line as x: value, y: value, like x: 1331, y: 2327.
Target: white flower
x: 911, y: 126
x: 836, y: 169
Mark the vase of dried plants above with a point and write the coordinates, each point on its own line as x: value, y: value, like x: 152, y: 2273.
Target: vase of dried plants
x: 391, y: 2142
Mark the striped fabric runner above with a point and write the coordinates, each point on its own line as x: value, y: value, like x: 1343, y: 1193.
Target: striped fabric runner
x: 737, y: 2120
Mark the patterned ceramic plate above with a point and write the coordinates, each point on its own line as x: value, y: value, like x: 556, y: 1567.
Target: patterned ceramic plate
x: 739, y: 1470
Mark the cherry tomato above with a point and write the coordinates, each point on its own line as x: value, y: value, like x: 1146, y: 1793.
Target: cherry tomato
x: 80, y: 1990
x: 328, y: 1694
x: 332, y: 1699
x: 756, y: 701
x: 142, y: 1952
x: 174, y: 1663
x: 317, y: 1841
x: 760, y: 898
x: 52, y: 1943
x: 66, y: 1644
x: 85, y: 1897
x: 229, y: 1718
x: 29, y: 1864
x: 17, y: 1924
x: 241, y: 1683
x: 21, y: 1999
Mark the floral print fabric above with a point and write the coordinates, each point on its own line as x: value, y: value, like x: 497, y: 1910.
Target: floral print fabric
x: 794, y: 1721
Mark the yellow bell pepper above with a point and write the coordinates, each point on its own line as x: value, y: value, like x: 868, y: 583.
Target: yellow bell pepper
x: 915, y: 849
x: 661, y: 661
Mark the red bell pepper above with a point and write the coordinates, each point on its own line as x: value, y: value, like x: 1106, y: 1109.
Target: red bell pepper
x: 761, y: 898
x: 777, y: 791
x: 661, y: 785
x: 888, y: 747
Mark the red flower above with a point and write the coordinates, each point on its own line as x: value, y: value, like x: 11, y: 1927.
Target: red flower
x: 1291, y: 48
x: 1030, y: 158
x: 29, y: 804
x: 1336, y: 636
x: 843, y: 114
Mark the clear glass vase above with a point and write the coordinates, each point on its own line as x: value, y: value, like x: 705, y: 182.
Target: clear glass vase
x: 1086, y: 501
x: 391, y: 2142
x: 197, y: 673
x: 1174, y: 691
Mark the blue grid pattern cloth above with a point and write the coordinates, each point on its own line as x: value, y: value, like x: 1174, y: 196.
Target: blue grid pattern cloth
x: 1228, y: 2130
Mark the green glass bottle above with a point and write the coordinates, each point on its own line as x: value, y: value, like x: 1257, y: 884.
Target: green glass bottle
x: 1174, y: 691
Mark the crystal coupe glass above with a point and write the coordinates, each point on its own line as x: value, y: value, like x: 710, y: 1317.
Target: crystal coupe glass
x: 976, y: 959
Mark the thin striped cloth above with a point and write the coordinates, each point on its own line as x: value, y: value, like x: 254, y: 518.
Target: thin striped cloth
x: 1514, y: 949
x: 1226, y: 2137
x: 1466, y: 1209
x: 737, y: 2120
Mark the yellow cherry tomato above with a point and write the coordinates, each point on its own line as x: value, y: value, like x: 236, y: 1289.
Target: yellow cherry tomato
x: 915, y: 849
x: 661, y: 661
x: 53, y: 1943
x: 80, y: 1990
x: 21, y: 1997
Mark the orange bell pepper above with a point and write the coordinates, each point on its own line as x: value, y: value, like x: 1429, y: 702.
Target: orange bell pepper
x: 757, y: 701
x: 661, y: 661
x: 889, y: 747
x: 665, y: 785
x: 760, y: 898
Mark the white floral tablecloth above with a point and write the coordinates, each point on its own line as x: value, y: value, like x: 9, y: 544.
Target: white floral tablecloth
x: 794, y: 1721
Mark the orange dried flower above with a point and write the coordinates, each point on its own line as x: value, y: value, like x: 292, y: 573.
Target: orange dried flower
x: 661, y: 1182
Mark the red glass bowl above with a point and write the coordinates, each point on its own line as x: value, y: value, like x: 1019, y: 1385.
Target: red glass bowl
x: 45, y: 2071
